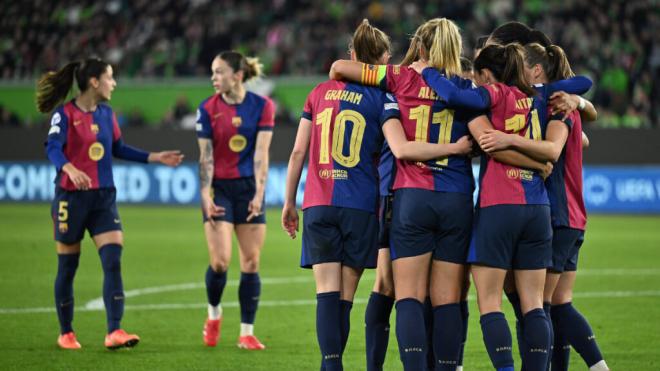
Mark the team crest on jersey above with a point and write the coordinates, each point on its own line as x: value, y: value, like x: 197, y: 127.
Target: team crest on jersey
x: 396, y: 69
x: 96, y: 151
x: 236, y: 121
x: 237, y: 143
x: 63, y: 227
x: 95, y: 128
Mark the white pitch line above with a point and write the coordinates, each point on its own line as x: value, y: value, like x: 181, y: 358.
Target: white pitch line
x: 97, y: 303
x: 304, y: 302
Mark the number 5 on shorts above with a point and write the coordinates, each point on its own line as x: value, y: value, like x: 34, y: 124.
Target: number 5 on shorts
x: 62, y: 212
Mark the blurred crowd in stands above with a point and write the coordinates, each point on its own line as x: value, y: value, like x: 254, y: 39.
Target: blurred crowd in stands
x: 614, y: 42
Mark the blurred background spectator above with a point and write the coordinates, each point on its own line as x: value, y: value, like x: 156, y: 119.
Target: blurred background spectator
x: 613, y: 42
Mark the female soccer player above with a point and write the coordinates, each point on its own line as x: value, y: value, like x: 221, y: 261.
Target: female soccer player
x: 341, y: 126
x: 568, y: 213
x: 234, y: 130
x: 432, y: 208
x: 83, y: 137
x: 512, y: 229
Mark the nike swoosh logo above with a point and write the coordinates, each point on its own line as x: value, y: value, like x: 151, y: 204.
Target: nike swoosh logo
x: 116, y: 221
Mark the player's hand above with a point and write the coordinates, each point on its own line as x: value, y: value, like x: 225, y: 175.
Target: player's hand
x: 464, y: 145
x: 211, y: 210
x: 290, y: 219
x: 494, y: 140
x: 419, y: 66
x: 254, y: 207
x: 81, y: 180
x: 561, y: 101
x: 169, y: 158
x: 547, y: 170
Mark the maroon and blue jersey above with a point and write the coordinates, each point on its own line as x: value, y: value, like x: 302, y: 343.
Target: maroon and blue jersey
x: 345, y: 144
x: 87, y: 140
x: 565, y: 183
x: 427, y: 118
x: 233, y: 129
x: 511, y: 111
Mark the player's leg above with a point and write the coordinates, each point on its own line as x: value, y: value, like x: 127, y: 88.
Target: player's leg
x: 377, y: 313
x: 573, y: 325
x: 445, y: 289
x: 532, y: 258
x: 465, y: 315
x: 218, y: 241
x: 411, y: 288
x: 447, y: 276
x: 250, y: 241
x: 68, y: 210
x: 68, y: 256
x: 350, y: 277
x: 381, y: 300
x: 110, y: 246
x: 322, y: 251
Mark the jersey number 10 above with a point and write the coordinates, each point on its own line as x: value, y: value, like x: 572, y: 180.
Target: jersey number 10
x: 338, y: 134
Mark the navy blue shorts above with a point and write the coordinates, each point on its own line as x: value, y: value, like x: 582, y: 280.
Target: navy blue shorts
x: 235, y: 196
x: 75, y: 211
x: 384, y: 221
x: 339, y: 234
x: 428, y: 221
x: 512, y: 237
x: 566, y: 243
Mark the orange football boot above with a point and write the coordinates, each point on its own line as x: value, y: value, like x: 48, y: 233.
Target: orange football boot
x: 68, y: 341
x: 250, y: 342
x: 212, y: 331
x: 119, y: 339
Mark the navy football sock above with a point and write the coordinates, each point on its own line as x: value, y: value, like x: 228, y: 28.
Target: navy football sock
x: 215, y: 285
x: 249, y: 290
x: 447, y: 336
x: 113, y: 288
x: 377, y: 330
x: 345, y: 307
x: 561, y: 352
x: 514, y: 299
x: 578, y: 332
x: 537, y: 339
x: 66, y: 271
x: 465, y: 315
x: 497, y: 339
x: 428, y: 325
x: 411, y: 334
x: 327, y: 331
x: 546, y: 309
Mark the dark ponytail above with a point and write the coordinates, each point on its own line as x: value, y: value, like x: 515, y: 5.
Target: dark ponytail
x: 507, y: 65
x: 559, y: 68
x: 53, y: 87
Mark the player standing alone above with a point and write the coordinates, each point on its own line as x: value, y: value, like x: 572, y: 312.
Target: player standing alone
x: 83, y: 137
x: 234, y: 130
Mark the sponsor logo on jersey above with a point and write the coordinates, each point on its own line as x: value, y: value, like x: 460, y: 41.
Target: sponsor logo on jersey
x: 336, y: 174
x: 237, y: 143
x: 96, y: 151
x: 236, y: 121
x: 513, y: 173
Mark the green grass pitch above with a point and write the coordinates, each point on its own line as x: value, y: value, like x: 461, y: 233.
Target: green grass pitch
x: 618, y: 291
